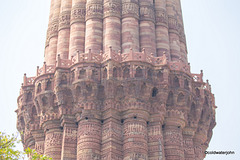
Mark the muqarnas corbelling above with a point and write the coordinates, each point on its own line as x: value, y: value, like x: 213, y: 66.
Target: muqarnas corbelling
x: 116, y: 85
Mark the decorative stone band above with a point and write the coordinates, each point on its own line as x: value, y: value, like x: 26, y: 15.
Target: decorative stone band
x: 94, y: 9
x: 112, y: 8
x: 64, y: 20
x: 173, y: 24
x: 53, y: 28
x: 182, y: 36
x: 175, y: 117
x: 147, y: 12
x: 161, y: 17
x: 130, y: 9
x: 47, y: 38
x: 49, y: 117
x: 200, y: 137
x: 189, y: 131
x: 78, y: 13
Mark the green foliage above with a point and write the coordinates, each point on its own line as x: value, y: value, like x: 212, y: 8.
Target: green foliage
x: 8, y: 149
x: 35, y: 156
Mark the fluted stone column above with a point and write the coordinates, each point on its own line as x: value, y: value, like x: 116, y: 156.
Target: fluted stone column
x: 77, y: 33
x: 147, y: 26
x: 130, y: 25
x: 182, y: 38
x: 69, y: 143
x: 53, y: 34
x: 111, y: 25
x: 64, y: 29
x: 188, y: 134
x: 162, y: 35
x: 174, y: 40
x: 135, y: 135
x: 111, y: 135
x: 198, y: 140
x: 53, y: 139
x: 46, y: 53
x: 29, y: 141
x: 39, y: 140
x: 155, y: 138
x: 172, y: 131
x: 89, y: 136
x: 94, y: 26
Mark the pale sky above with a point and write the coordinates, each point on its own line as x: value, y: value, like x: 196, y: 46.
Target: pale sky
x: 212, y: 29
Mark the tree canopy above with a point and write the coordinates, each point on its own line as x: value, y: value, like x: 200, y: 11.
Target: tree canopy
x: 8, y: 149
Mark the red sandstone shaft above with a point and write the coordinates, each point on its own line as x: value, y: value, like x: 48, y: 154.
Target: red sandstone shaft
x: 94, y: 26
x: 111, y: 25
x: 147, y: 31
x: 130, y: 25
x: 77, y: 34
x: 53, y: 34
x: 64, y: 29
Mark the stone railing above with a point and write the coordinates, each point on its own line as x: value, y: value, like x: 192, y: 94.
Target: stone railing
x: 198, y: 77
x: 46, y: 69
x: 111, y: 55
x: 179, y: 66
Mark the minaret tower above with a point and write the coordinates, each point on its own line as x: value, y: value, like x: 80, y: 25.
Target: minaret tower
x: 116, y: 85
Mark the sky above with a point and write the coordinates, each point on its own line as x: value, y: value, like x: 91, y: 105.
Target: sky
x: 212, y: 30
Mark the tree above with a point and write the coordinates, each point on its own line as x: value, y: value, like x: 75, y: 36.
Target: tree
x: 8, y: 149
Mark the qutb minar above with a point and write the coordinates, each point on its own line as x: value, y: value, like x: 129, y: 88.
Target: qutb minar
x: 116, y: 85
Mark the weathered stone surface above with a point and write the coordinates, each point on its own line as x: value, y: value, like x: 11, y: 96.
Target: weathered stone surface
x: 116, y: 85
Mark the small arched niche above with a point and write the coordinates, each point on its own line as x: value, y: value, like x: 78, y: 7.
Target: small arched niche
x: 126, y: 72
x: 154, y: 92
x: 180, y: 98
x: 139, y: 72
x: 119, y: 91
x: 82, y: 74
x: 29, y: 96
x: 170, y: 99
x: 44, y: 101
x: 63, y: 79
x: 149, y: 74
x: 186, y: 84
x: 176, y: 83
x: 115, y: 72
x: 48, y: 85
x: 160, y: 75
x: 39, y: 88
x: 105, y: 73
x: 197, y: 91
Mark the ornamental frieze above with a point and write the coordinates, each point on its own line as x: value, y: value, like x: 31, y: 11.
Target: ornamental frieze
x: 172, y: 23
x: 64, y: 20
x: 161, y: 17
x: 130, y: 10
x: 53, y: 139
x: 53, y: 28
x: 112, y: 8
x: 173, y: 137
x: 78, y: 13
x: 94, y: 10
x: 147, y: 13
x: 138, y: 156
